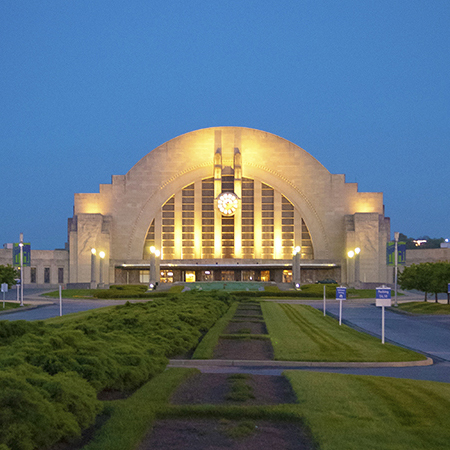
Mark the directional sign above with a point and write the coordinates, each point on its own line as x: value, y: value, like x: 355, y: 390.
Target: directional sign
x: 383, y: 296
x: 26, y: 254
x: 341, y: 293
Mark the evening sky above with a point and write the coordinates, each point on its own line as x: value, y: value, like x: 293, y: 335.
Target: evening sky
x: 88, y: 88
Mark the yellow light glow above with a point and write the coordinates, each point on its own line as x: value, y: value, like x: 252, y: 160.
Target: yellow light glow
x: 102, y: 254
x: 157, y: 253
x: 93, y: 251
x: 190, y: 277
x: 278, y: 247
x: 152, y: 249
x: 351, y: 254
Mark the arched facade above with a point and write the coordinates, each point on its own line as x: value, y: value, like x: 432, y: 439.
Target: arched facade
x: 228, y: 203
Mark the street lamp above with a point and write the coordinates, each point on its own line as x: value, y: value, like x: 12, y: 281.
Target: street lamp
x: 296, y: 266
x: 100, y: 277
x: 93, y: 253
x: 21, y: 269
x: 353, y: 254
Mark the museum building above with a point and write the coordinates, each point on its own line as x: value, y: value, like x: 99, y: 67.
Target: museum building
x: 220, y: 204
x: 227, y: 203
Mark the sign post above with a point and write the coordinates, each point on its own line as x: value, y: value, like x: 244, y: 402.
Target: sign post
x: 396, y: 254
x: 341, y: 294
x: 448, y: 294
x: 383, y: 299
x: 60, y: 301
x: 324, y: 300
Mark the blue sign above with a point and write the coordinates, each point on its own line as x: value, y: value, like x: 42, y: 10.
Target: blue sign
x: 383, y: 292
x: 390, y: 253
x: 26, y: 254
x: 383, y: 296
x: 448, y: 290
x: 341, y: 293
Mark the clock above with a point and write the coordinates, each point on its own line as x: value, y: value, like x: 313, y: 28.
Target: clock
x: 227, y: 203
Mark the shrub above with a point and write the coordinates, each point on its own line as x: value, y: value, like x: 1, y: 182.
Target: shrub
x: 52, y: 372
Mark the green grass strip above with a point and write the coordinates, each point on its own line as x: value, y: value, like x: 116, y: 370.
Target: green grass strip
x: 248, y: 316
x: 423, y: 308
x: 71, y: 293
x: 7, y: 305
x: 205, y: 348
x: 302, y: 333
x: 352, y: 412
x: 133, y: 417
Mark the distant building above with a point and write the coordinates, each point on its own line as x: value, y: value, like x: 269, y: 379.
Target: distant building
x: 225, y: 203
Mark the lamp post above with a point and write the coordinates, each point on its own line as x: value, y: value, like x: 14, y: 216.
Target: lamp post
x: 100, y: 276
x: 21, y: 269
x: 396, y: 236
x: 154, y: 268
x: 93, y: 253
x: 353, y: 254
x: 357, y: 252
x: 296, y: 267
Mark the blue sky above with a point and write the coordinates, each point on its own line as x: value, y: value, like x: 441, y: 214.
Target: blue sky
x: 87, y: 88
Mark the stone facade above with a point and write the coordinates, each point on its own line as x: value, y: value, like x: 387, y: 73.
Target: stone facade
x: 48, y: 269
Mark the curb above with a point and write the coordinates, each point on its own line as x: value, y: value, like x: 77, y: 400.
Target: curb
x: 24, y: 308
x: 287, y: 364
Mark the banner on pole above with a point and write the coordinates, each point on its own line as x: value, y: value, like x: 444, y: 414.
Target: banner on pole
x: 390, y: 253
x: 26, y: 254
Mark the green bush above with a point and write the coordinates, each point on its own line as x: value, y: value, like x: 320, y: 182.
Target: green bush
x: 55, y: 370
x: 37, y: 409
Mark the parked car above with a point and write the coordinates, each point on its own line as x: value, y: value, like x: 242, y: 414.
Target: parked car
x: 327, y: 281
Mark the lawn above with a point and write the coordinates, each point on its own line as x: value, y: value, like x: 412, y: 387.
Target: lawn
x: 7, y: 305
x: 365, y: 412
x: 71, y: 293
x: 342, y: 412
x: 302, y: 333
x: 424, y: 308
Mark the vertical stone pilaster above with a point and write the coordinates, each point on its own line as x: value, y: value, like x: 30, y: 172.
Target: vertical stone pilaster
x: 178, y: 225
x: 198, y: 219
x: 258, y: 219
x: 278, y: 249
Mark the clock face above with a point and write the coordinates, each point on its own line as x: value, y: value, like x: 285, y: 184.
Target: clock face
x: 227, y: 203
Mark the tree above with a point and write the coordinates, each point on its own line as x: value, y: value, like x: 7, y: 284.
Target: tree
x: 8, y: 275
x: 430, y: 242
x: 426, y: 277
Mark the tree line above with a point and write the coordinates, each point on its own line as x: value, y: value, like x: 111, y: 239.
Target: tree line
x: 430, y: 278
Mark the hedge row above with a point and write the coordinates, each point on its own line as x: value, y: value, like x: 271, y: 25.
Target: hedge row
x: 140, y: 291
x: 50, y: 374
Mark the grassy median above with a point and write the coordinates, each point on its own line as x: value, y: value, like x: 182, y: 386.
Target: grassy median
x: 424, y: 308
x: 302, y: 333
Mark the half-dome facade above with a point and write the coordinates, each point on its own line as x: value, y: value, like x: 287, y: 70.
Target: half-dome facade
x: 228, y: 203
